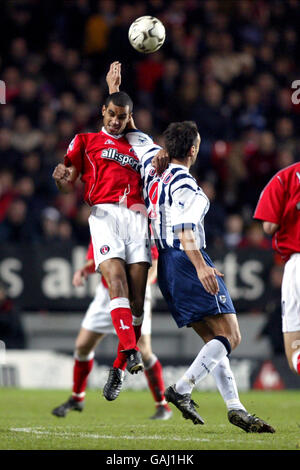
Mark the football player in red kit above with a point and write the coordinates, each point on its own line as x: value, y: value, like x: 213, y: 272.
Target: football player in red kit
x: 118, y: 222
x: 95, y: 326
x: 279, y: 209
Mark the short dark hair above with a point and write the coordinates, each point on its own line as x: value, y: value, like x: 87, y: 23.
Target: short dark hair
x: 120, y: 98
x: 179, y: 137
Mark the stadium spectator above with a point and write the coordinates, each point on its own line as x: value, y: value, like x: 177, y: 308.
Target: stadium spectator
x: 25, y: 138
x: 16, y: 226
x: 255, y: 237
x: 49, y: 225
x: 7, y: 191
x: 9, y: 156
x: 233, y: 231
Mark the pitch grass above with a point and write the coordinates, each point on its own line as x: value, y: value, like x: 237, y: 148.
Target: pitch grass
x: 26, y: 423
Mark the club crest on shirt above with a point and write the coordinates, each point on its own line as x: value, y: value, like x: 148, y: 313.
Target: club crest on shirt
x: 104, y: 249
x: 222, y: 299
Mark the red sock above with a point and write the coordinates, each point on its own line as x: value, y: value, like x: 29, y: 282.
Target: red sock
x: 121, y: 359
x: 122, y: 320
x: 154, y: 375
x: 298, y: 364
x: 81, y: 371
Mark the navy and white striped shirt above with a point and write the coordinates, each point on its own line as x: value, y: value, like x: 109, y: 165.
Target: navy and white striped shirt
x: 174, y: 201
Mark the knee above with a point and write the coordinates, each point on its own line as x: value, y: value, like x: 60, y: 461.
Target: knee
x: 82, y: 349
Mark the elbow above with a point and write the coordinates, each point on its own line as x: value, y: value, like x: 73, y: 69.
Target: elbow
x: 270, y: 228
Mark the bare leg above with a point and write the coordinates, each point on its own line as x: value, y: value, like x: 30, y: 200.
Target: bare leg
x: 137, y: 275
x: 86, y: 342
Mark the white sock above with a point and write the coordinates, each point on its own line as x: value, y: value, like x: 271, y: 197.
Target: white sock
x: 295, y: 358
x: 208, y: 357
x: 136, y: 321
x: 151, y: 361
x: 226, y: 384
x: 84, y: 358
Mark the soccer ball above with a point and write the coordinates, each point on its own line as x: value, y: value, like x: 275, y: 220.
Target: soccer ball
x: 147, y: 34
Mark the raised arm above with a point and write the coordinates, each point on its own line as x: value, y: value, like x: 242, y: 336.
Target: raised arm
x: 113, y: 77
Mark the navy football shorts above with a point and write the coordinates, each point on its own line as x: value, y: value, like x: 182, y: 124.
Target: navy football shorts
x: 186, y: 297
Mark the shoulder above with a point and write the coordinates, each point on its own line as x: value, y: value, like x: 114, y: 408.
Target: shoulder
x: 182, y: 179
x: 84, y: 137
x: 138, y: 138
x: 286, y: 176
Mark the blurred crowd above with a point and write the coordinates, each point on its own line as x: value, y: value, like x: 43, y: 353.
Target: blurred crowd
x: 228, y: 65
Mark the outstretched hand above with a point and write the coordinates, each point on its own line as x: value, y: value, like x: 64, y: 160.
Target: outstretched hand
x: 113, y: 77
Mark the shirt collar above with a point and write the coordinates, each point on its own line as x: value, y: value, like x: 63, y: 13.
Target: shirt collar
x: 118, y: 136
x: 180, y: 166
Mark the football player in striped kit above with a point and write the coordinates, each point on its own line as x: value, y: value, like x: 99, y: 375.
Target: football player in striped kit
x: 192, y: 287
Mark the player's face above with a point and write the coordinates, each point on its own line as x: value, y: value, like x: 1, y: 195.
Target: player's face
x: 115, y: 118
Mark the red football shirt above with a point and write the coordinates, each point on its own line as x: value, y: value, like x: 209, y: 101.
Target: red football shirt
x: 279, y: 203
x: 108, y: 166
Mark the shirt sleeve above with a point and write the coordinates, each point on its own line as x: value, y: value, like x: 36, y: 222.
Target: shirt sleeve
x: 271, y: 202
x: 143, y: 146
x: 188, y: 208
x: 75, y: 154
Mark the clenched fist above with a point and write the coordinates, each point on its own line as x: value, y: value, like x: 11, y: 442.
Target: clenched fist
x: 64, y: 177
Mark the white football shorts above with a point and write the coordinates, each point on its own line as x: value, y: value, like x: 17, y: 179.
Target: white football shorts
x: 290, y: 295
x: 98, y: 319
x: 118, y: 232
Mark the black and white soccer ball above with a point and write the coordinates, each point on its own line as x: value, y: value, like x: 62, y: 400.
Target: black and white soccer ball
x: 147, y: 34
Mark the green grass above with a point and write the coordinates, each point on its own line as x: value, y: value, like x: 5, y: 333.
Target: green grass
x: 26, y: 423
